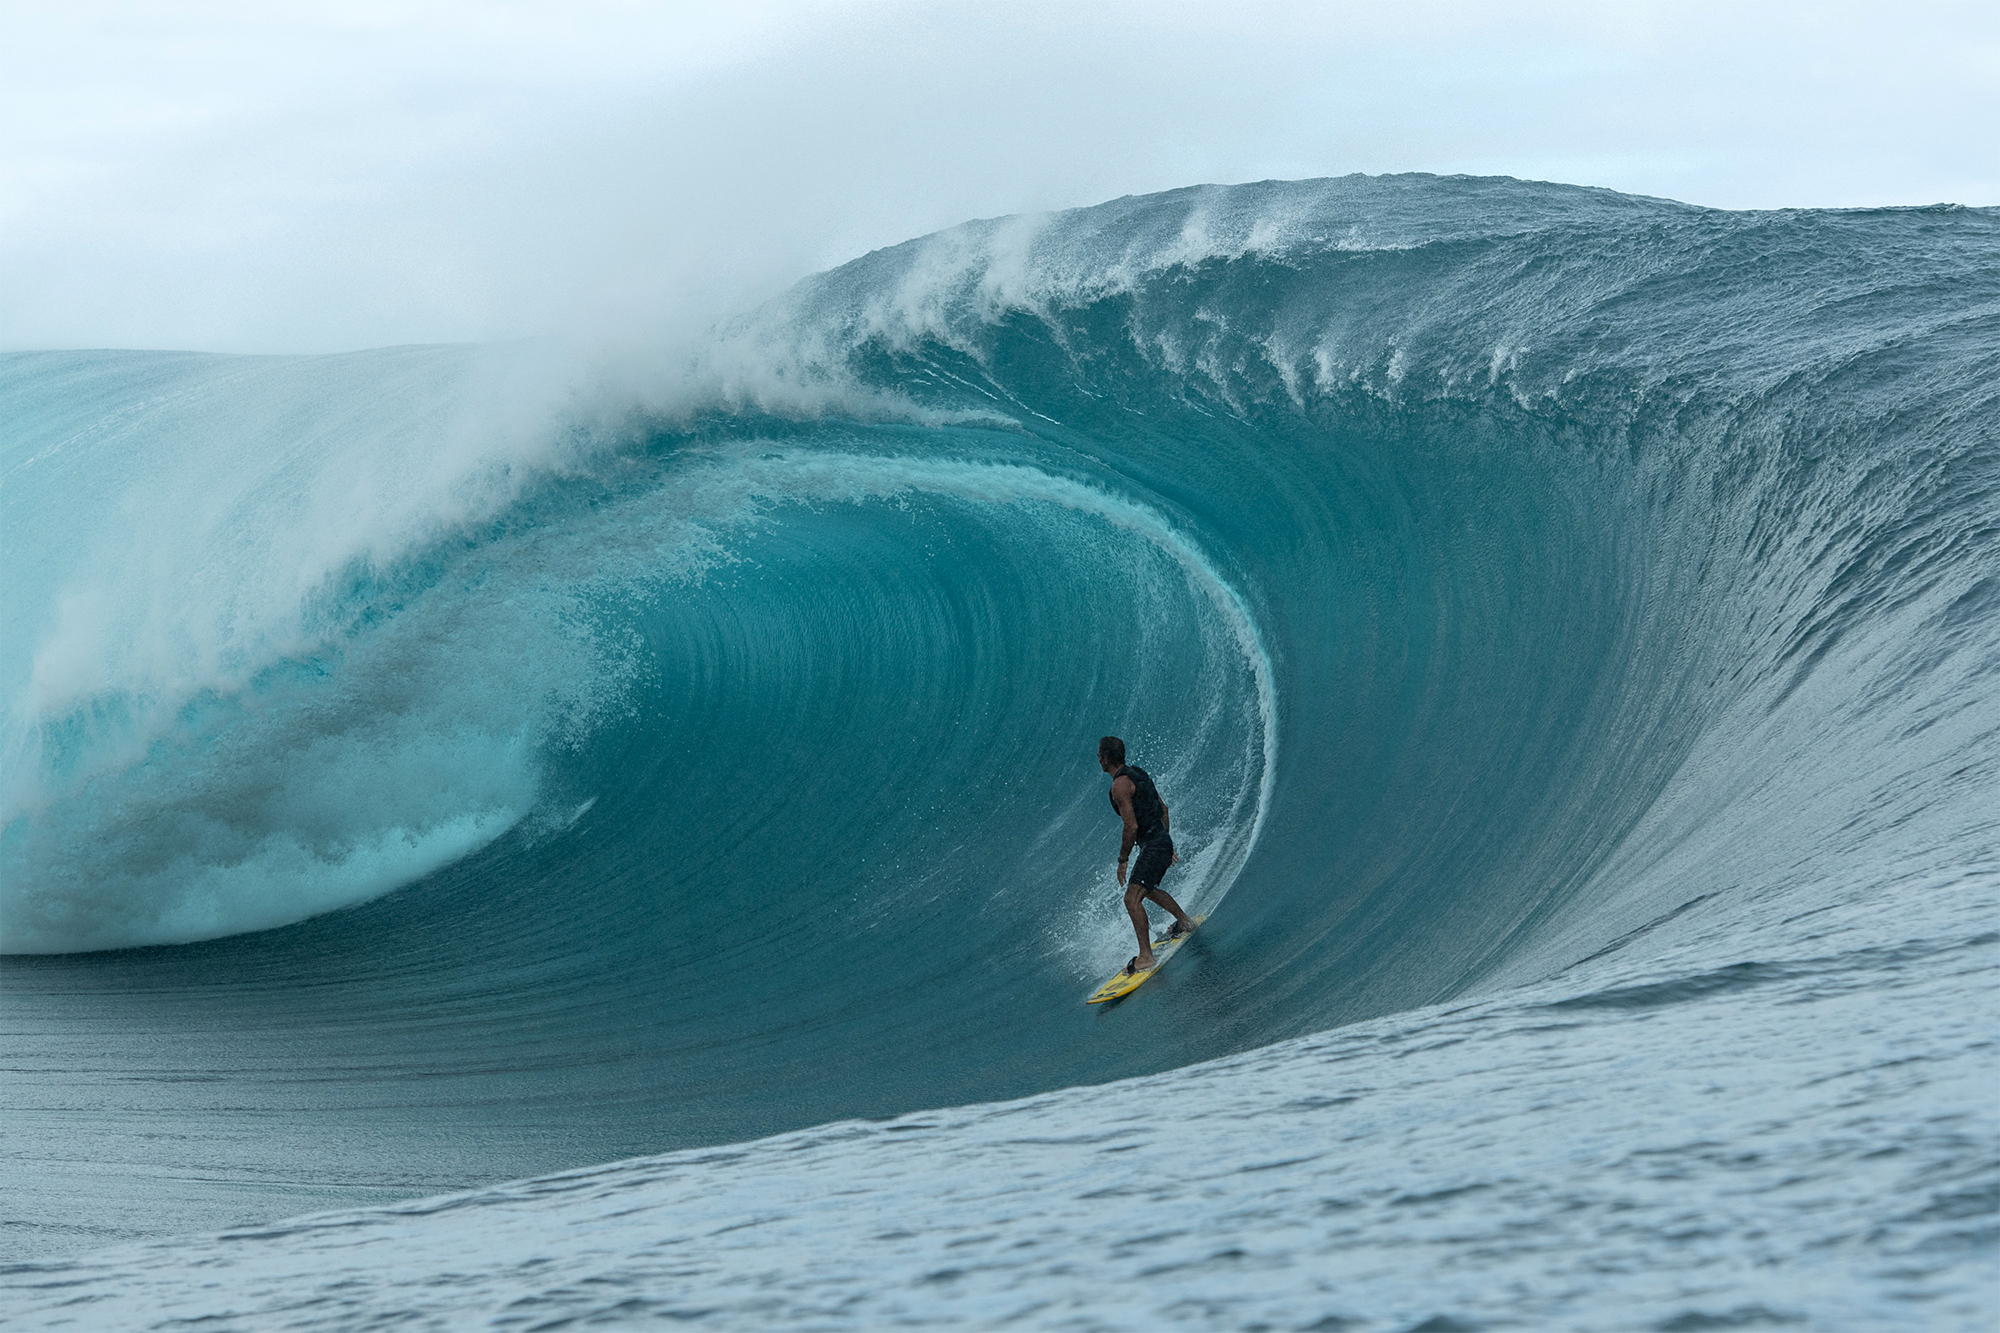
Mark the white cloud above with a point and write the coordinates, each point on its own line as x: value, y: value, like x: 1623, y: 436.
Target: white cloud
x: 259, y: 177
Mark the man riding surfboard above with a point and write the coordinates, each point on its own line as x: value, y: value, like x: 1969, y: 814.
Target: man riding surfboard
x: 1138, y: 803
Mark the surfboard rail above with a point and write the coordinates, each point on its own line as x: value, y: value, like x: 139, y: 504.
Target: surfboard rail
x: 1124, y: 983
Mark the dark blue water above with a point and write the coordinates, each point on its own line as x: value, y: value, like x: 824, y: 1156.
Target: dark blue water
x: 416, y: 777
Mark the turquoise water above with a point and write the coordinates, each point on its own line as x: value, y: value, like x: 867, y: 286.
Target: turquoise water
x: 422, y: 772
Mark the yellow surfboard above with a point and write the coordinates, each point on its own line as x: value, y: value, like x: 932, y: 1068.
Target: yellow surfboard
x: 1127, y: 982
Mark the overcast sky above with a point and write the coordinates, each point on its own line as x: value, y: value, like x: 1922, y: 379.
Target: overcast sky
x: 321, y: 176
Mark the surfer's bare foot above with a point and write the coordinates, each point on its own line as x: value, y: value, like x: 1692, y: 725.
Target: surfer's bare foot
x: 1144, y: 962
x: 1178, y: 929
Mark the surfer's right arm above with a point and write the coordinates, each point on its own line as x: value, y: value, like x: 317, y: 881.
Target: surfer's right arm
x: 1121, y: 796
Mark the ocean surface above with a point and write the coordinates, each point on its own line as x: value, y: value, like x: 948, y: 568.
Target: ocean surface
x: 1565, y: 625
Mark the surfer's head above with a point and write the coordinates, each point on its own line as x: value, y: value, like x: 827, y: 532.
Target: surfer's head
x: 1110, y: 753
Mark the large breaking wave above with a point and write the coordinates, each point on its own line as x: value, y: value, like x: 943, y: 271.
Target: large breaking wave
x: 1488, y: 572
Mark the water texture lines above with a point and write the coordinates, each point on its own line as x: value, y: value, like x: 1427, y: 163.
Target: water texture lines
x: 1475, y: 1166
x: 433, y: 767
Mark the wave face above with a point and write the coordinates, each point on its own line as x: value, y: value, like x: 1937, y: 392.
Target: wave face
x: 1492, y: 575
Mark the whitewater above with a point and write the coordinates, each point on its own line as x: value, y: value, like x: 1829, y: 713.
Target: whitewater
x: 1563, y: 623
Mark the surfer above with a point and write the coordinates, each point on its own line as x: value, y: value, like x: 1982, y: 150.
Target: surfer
x: 1138, y: 803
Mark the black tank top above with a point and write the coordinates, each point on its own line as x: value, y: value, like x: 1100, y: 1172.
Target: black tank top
x: 1145, y: 802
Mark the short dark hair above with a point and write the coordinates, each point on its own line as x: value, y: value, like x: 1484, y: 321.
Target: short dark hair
x: 1111, y: 748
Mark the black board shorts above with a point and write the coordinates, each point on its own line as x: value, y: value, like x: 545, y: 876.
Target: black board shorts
x: 1154, y: 858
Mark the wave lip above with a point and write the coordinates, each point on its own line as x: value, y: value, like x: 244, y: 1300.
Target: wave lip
x: 429, y: 723
x: 201, y: 736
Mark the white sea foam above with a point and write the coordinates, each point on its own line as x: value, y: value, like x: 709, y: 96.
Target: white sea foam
x: 193, y: 543
x: 1804, y: 1138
